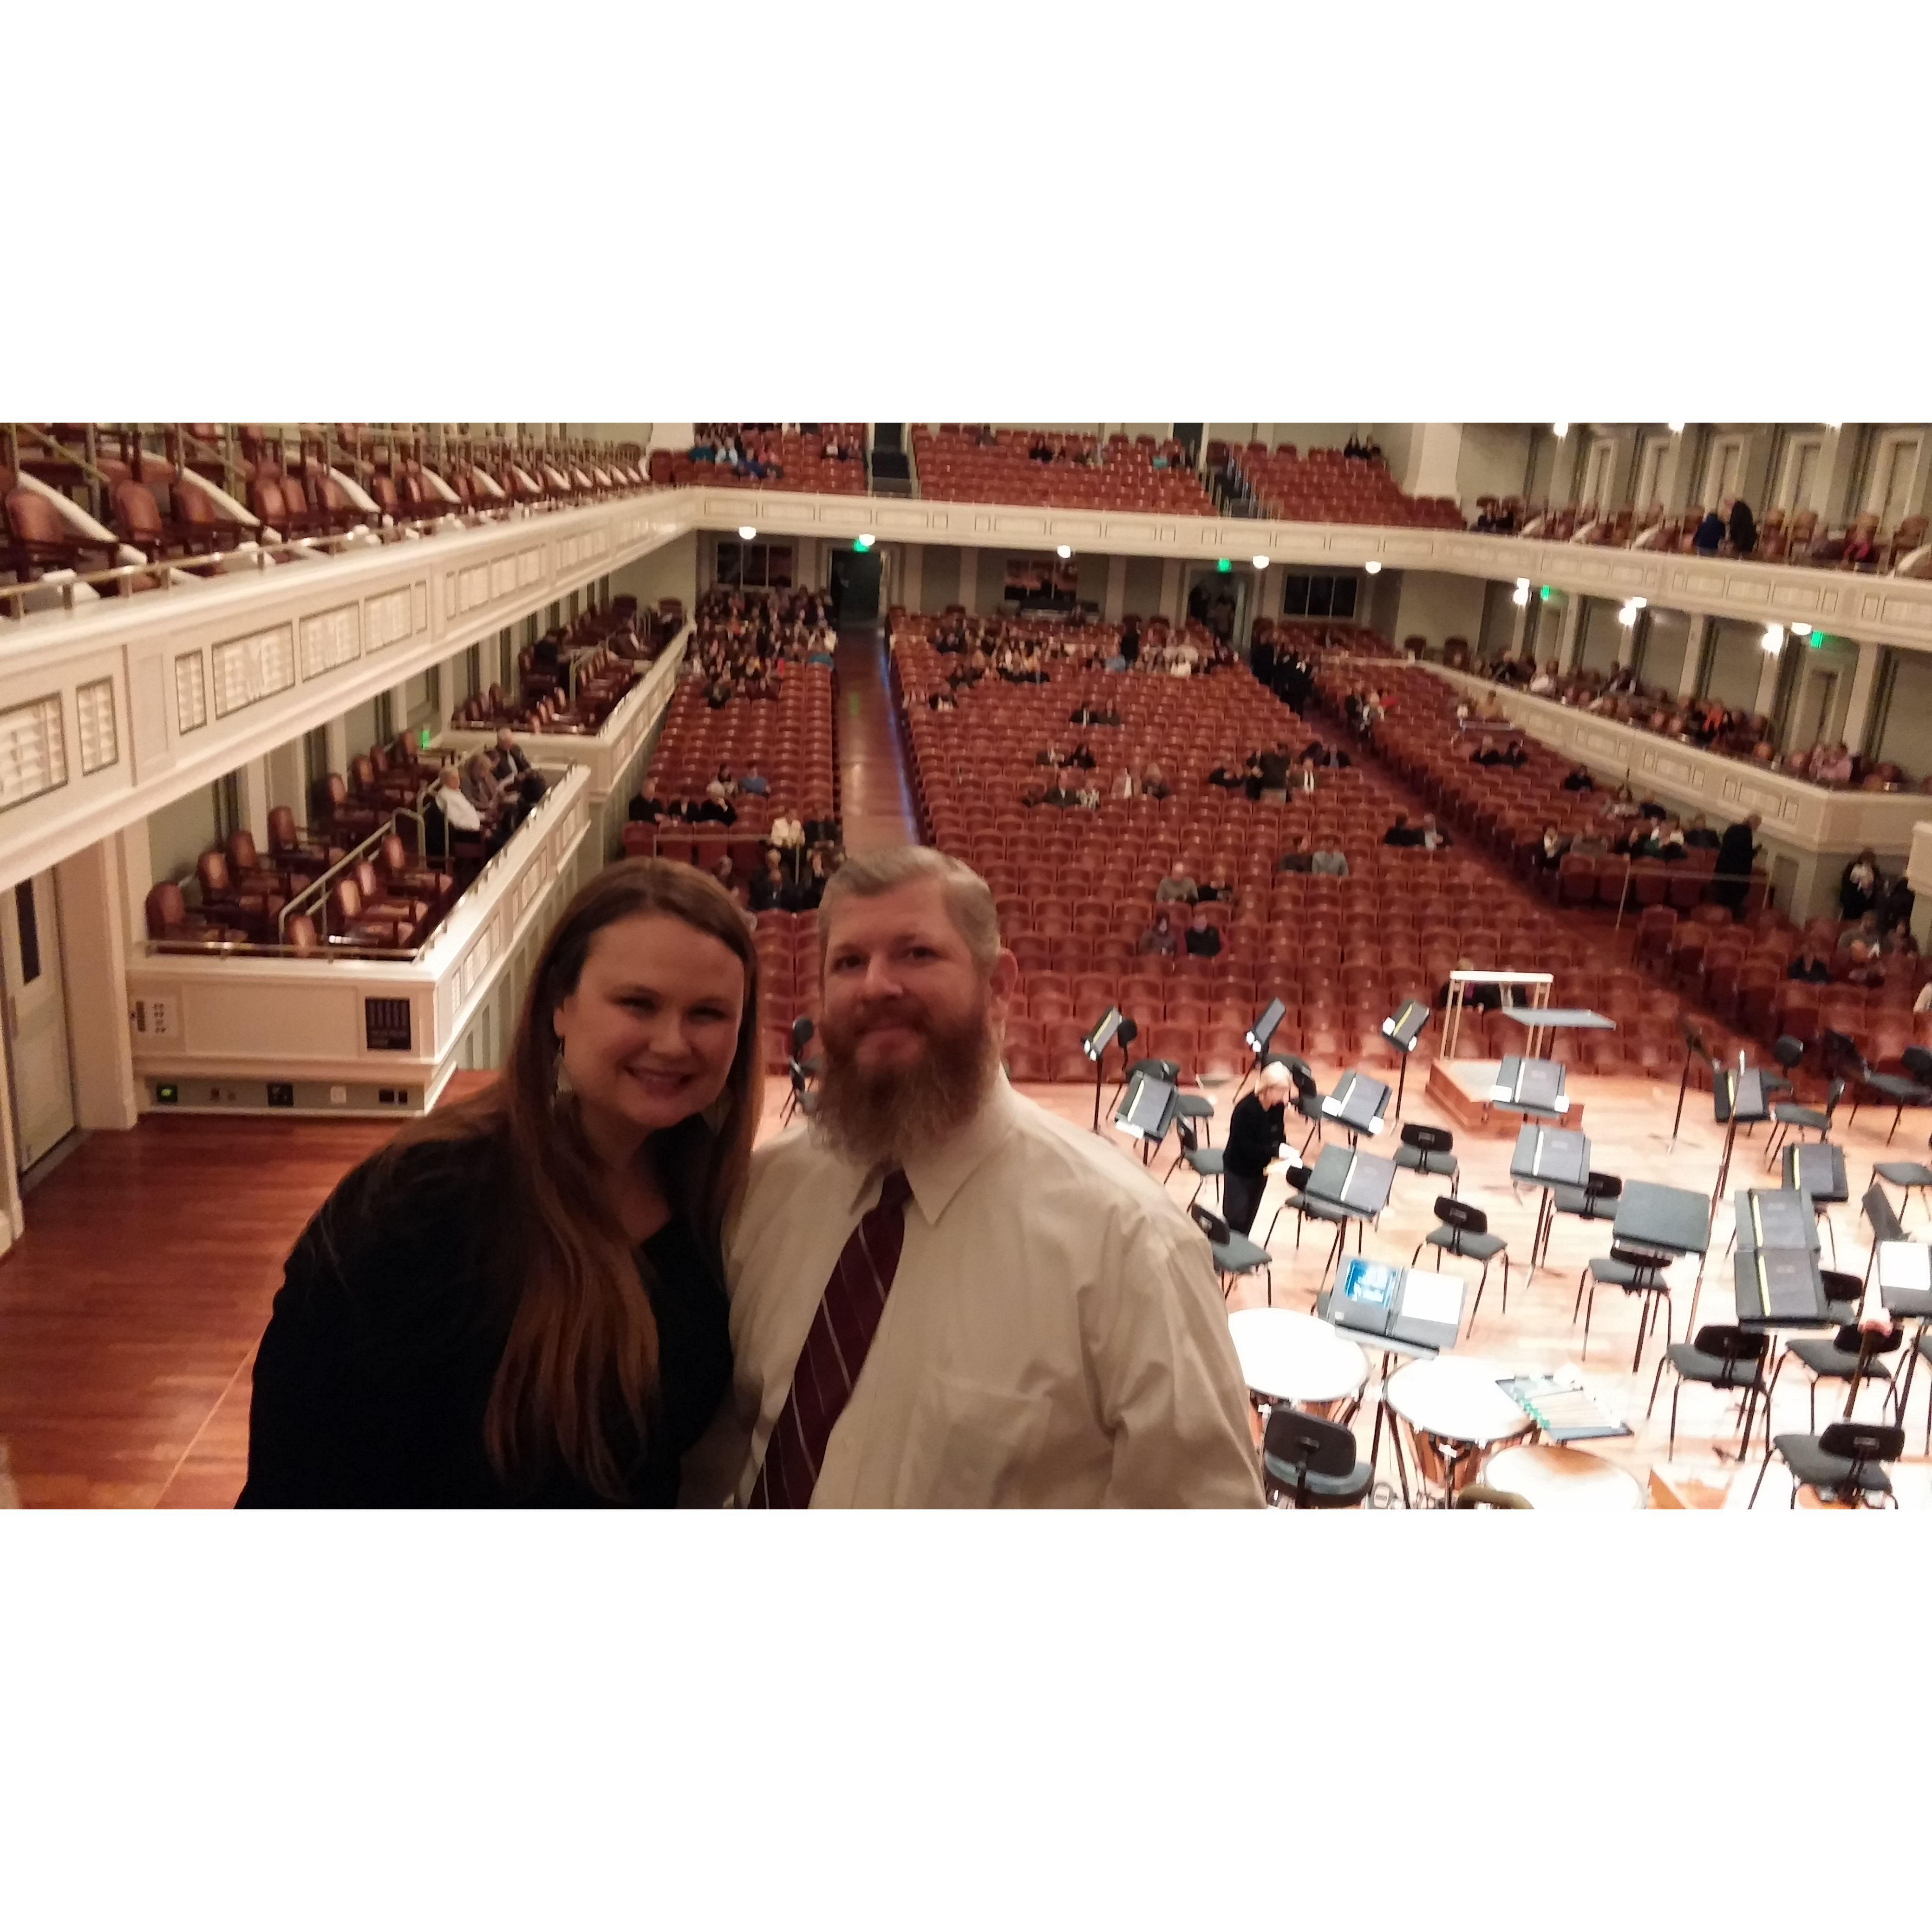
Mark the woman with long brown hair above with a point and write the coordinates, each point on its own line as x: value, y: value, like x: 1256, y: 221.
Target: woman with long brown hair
x: 517, y: 1301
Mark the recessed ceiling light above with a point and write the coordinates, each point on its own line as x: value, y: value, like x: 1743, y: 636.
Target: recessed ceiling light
x: 1066, y: 549
x: 1373, y: 566
x: 1261, y: 563
x: 747, y: 531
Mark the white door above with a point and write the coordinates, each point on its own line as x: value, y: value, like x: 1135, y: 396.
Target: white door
x: 1801, y: 471
x: 1720, y: 475
x: 41, y: 1075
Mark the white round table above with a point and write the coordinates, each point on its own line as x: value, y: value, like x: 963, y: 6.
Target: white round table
x: 1296, y: 1359
x: 1555, y: 1476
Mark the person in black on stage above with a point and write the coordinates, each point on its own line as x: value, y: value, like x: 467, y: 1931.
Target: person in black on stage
x: 518, y: 1301
x: 1254, y: 1131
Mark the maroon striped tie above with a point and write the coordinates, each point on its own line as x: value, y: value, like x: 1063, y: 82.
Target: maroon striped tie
x: 834, y: 1352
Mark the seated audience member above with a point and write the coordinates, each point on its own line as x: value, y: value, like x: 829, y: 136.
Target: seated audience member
x: 943, y: 700
x: 1160, y: 937
x: 1251, y: 778
x: 1219, y: 886
x: 720, y: 869
x: 1255, y: 1132
x: 448, y: 810
x: 1328, y: 863
x: 479, y: 786
x: 770, y: 887
x: 1225, y: 776
x: 647, y: 808
x: 1048, y: 755
x: 1698, y: 836
x: 508, y: 765
x: 1899, y: 943
x: 1203, y: 940
x: 753, y: 783
x: 723, y: 785
x: 1082, y: 757
x: 1123, y: 785
x: 712, y: 810
x: 1710, y: 534
x: 1833, y: 767
x: 1863, y: 945
x: 1431, y: 836
x: 718, y: 693
x: 1514, y: 756
x: 1153, y: 785
x: 1544, y: 682
x: 1178, y: 885
x: 1297, y: 858
x: 1401, y: 832
x: 1088, y: 797
x: 1810, y: 964
x: 1580, y: 780
x: 1858, y: 885
x: 1057, y: 793
x: 1274, y: 765
x: 1549, y: 849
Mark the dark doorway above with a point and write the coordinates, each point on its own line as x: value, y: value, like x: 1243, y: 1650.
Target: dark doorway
x: 855, y: 586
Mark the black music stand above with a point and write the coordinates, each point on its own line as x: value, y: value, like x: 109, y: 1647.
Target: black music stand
x: 1358, y: 1105
x: 1147, y: 1111
x: 1547, y: 1158
x: 1095, y: 1046
x: 1694, y: 1041
x: 1128, y: 1031
x: 1258, y: 1036
x: 1533, y: 1087
x: 1737, y: 1094
x: 1351, y: 1186
x: 1403, y: 1031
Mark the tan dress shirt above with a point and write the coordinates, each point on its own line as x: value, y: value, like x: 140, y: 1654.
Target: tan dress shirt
x: 1054, y: 1336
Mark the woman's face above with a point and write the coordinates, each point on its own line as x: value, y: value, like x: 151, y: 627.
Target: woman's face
x: 649, y: 1033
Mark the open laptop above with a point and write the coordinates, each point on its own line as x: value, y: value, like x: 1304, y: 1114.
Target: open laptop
x: 1375, y: 1298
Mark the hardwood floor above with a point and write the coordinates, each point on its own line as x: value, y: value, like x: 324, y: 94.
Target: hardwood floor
x: 129, y: 1314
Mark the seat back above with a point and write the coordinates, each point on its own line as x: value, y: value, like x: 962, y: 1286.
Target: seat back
x: 1602, y: 1187
x: 211, y: 869
x: 1862, y: 1444
x: 1210, y: 1223
x: 1460, y: 1215
x: 136, y: 512
x: 1190, y: 1141
x: 1917, y: 1061
x: 1427, y: 1139
x: 1643, y: 1261
x: 242, y: 856
x: 1885, y: 1225
x: 282, y: 836
x: 366, y: 883
x: 1786, y: 1051
x: 298, y: 932
x: 345, y: 901
x: 1307, y: 1443
x: 1729, y: 1343
x: 32, y: 519
x: 166, y: 907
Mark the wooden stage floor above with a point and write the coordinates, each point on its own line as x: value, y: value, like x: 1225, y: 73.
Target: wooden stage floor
x: 130, y: 1312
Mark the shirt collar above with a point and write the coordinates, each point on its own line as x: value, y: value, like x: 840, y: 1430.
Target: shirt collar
x: 937, y: 1173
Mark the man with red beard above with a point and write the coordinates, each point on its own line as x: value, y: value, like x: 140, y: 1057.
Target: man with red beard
x: 941, y: 1294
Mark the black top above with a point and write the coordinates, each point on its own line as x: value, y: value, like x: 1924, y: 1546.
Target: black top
x: 1254, y: 1136
x: 376, y: 1368
x: 1736, y: 849
x: 1205, y: 944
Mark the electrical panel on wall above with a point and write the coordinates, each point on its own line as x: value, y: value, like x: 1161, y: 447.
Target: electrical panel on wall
x: 151, y: 1019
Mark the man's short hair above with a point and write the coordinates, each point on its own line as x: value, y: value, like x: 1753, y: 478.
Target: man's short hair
x: 969, y: 899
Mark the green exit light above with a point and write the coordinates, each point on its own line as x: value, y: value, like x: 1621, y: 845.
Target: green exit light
x: 1224, y: 565
x: 422, y: 738
x: 1544, y: 593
